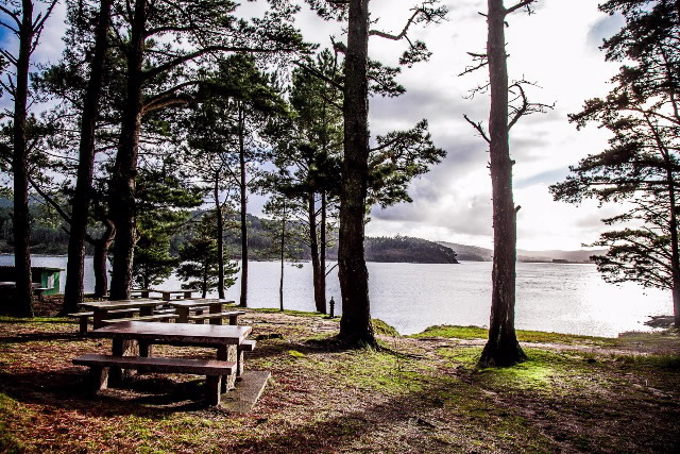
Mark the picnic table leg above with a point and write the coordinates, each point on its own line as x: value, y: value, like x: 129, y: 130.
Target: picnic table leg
x: 239, y: 364
x: 187, y: 295
x: 145, y: 310
x: 215, y: 309
x: 227, y: 353
x: 213, y: 385
x: 183, y: 313
x: 99, y: 316
x: 145, y: 349
x: 166, y: 296
x: 98, y: 379
x: 83, y: 324
x: 199, y: 312
x: 233, y: 319
x: 145, y: 294
x: 120, y: 347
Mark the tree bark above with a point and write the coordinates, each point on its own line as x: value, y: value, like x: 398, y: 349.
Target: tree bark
x: 73, y: 294
x: 319, y: 302
x: 502, y: 348
x: 220, y: 237
x: 243, y: 187
x: 204, y: 286
x: 283, y: 256
x: 355, y: 326
x: 122, y: 190
x: 101, y: 251
x: 23, y: 297
x: 322, y: 250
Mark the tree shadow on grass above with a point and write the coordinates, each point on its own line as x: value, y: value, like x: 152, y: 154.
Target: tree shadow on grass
x: 149, y: 395
x: 340, y: 432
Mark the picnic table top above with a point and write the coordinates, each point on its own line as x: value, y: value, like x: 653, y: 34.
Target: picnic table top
x: 119, y: 304
x: 176, y: 332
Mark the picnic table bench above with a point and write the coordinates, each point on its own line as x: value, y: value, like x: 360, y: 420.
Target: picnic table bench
x: 213, y: 369
x: 230, y: 342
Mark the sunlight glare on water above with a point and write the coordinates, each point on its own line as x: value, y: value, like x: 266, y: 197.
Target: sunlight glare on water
x: 566, y: 298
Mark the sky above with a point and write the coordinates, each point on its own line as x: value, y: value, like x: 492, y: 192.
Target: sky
x: 557, y: 48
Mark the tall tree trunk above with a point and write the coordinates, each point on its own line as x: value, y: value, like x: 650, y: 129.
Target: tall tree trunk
x: 502, y: 348
x: 204, y: 289
x: 283, y: 256
x: 23, y: 297
x: 101, y: 251
x: 322, y: 249
x: 243, y: 186
x: 355, y: 325
x: 220, y: 237
x: 319, y: 302
x: 73, y: 294
x: 122, y: 191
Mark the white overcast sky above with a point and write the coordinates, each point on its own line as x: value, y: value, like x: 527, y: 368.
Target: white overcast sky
x: 557, y: 47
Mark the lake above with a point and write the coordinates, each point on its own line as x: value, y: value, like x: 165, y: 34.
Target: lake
x: 564, y: 298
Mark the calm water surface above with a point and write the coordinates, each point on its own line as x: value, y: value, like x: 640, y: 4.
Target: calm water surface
x: 566, y: 298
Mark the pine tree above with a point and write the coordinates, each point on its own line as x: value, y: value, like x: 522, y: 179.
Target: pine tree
x: 641, y: 166
x: 199, y: 258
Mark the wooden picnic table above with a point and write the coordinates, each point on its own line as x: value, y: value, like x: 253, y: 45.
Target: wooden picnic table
x: 214, y: 306
x: 225, y: 338
x: 166, y: 295
x: 101, y: 309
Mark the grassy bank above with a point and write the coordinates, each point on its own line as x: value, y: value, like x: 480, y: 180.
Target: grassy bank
x: 575, y: 394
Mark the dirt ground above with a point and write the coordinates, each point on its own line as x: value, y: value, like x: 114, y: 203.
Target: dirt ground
x: 418, y: 395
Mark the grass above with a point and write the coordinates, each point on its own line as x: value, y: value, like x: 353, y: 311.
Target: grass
x: 431, y: 398
x: 10, y: 410
x: 7, y: 319
x: 270, y: 310
x: 475, y: 332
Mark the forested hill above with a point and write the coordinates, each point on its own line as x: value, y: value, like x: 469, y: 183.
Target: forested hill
x: 407, y: 249
x: 49, y: 238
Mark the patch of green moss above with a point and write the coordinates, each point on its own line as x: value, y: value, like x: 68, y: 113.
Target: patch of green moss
x: 10, y: 411
x: 543, y: 369
x: 269, y: 310
x: 453, y: 332
x: 380, y: 371
x: 383, y: 329
x: 6, y: 319
x: 475, y: 332
x: 666, y: 362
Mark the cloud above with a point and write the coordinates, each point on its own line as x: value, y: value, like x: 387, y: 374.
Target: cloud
x: 604, y: 28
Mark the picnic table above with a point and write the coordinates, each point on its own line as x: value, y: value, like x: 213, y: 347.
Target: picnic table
x: 102, y: 310
x: 225, y: 338
x: 166, y: 295
x: 140, y: 293
x: 215, y: 313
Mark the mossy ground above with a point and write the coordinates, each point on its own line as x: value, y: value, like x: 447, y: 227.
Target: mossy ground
x: 574, y: 395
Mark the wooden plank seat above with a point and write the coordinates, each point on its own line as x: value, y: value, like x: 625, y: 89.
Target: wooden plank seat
x: 164, y: 310
x: 216, y: 317
x: 213, y: 369
x: 143, y: 318
x: 84, y: 317
x: 247, y: 345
